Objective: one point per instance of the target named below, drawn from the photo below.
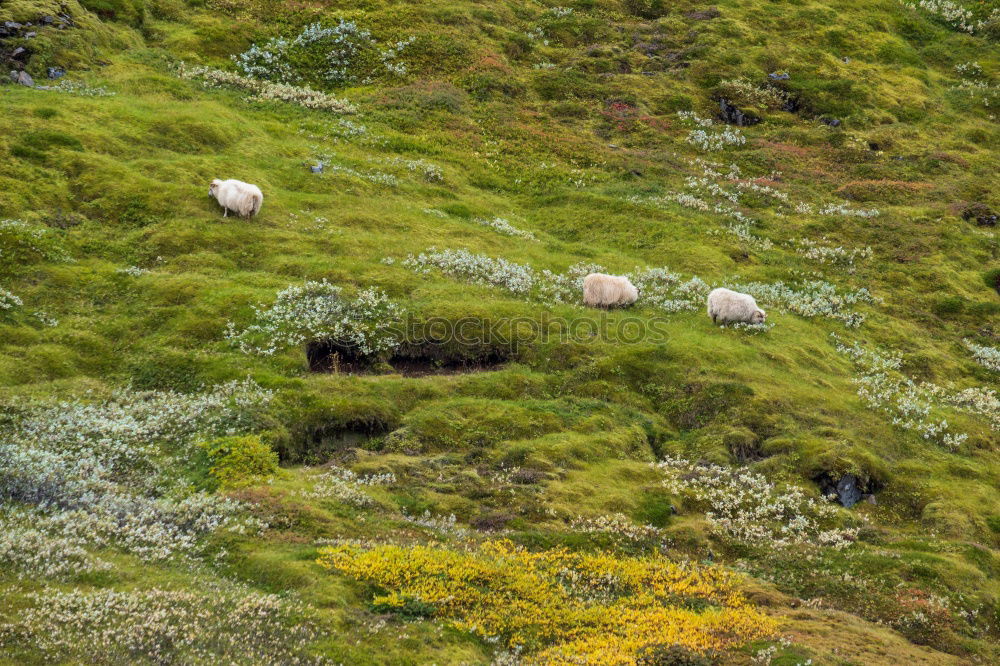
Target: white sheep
(607, 291)
(242, 198)
(729, 307)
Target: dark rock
(847, 489)
(19, 53)
(832, 122)
(23, 78)
(317, 168)
(775, 76)
(56, 72)
(981, 213)
(874, 146)
(734, 116)
(48, 20)
(846, 59)
(12, 26)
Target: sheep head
(213, 189)
(758, 317)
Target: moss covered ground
(858, 210)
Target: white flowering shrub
(954, 15)
(267, 91)
(707, 139)
(346, 486)
(447, 524)
(432, 173)
(988, 357)
(503, 226)
(22, 243)
(827, 253)
(9, 300)
(912, 405)
(318, 311)
(334, 55)
(373, 177)
(216, 625)
(750, 329)
(811, 298)
(617, 525)
(111, 474)
(475, 268)
(39, 553)
(846, 211)
(133, 271)
(744, 506)
(78, 88)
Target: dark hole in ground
(409, 360)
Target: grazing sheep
(608, 291)
(242, 198)
(729, 307)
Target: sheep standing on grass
(729, 307)
(242, 198)
(608, 291)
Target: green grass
(121, 181)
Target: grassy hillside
(375, 423)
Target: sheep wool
(242, 198)
(608, 291)
(729, 307)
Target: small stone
(11, 25)
(30, 35)
(48, 20)
(846, 59)
(22, 78)
(832, 122)
(318, 168)
(775, 76)
(18, 52)
(56, 72)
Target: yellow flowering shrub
(561, 607)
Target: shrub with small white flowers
(110, 474)
(617, 525)
(811, 298)
(266, 91)
(24, 243)
(318, 311)
(432, 173)
(335, 55)
(475, 268)
(827, 253)
(915, 406)
(221, 624)
(707, 140)
(503, 226)
(988, 357)
(744, 506)
(8, 300)
(954, 14)
(346, 486)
